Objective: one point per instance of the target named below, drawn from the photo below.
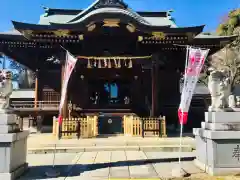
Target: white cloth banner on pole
(69, 66)
(195, 58)
(195, 61)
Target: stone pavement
(45, 143)
(105, 165)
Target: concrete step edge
(100, 145)
(91, 149)
(77, 147)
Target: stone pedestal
(13, 148)
(218, 143)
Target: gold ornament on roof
(131, 28)
(27, 33)
(81, 37)
(91, 26)
(140, 38)
(111, 22)
(159, 35)
(61, 32)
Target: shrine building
(129, 62)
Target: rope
(114, 57)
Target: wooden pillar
(153, 89)
(157, 87)
(154, 75)
(36, 90)
(39, 84)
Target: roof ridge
(111, 10)
(84, 12)
(99, 4)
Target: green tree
(230, 24)
(228, 58)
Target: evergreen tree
(229, 57)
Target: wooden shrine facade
(140, 55)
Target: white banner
(69, 66)
(194, 63)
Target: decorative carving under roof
(158, 35)
(111, 22)
(111, 3)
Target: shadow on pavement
(38, 172)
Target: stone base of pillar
(13, 148)
(214, 171)
(218, 143)
(15, 173)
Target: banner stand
(195, 58)
(179, 171)
(53, 172)
(69, 66)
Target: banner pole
(181, 120)
(68, 67)
(195, 59)
(54, 154)
(180, 141)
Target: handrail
(35, 104)
(49, 102)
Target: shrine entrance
(110, 125)
(109, 93)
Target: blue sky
(186, 12)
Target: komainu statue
(220, 89)
(6, 88)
